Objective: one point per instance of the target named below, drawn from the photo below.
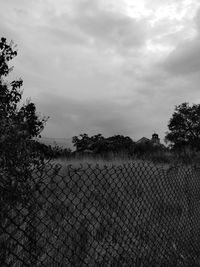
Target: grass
(116, 213)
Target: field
(114, 214)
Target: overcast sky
(105, 66)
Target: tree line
(116, 145)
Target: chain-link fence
(136, 214)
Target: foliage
(101, 145)
(17, 125)
(121, 143)
(49, 152)
(184, 127)
(148, 148)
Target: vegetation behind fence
(135, 214)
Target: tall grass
(117, 214)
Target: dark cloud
(197, 20)
(108, 27)
(184, 60)
(91, 116)
(61, 37)
(107, 117)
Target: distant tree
(101, 145)
(147, 148)
(121, 143)
(81, 142)
(184, 127)
(51, 152)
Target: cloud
(94, 68)
(74, 116)
(197, 20)
(110, 28)
(58, 36)
(184, 60)
(108, 117)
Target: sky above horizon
(105, 66)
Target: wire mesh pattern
(136, 214)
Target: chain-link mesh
(136, 214)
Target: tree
(120, 143)
(17, 154)
(81, 142)
(17, 125)
(101, 145)
(184, 127)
